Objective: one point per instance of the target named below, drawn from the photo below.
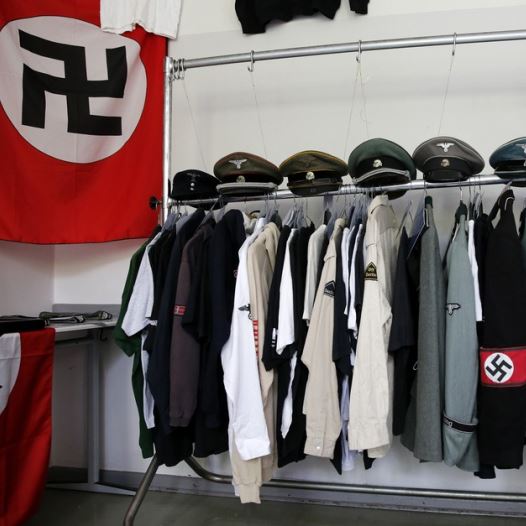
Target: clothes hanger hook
(454, 44)
(252, 61)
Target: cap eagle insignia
(238, 162)
(445, 145)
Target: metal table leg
(93, 483)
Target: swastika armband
(503, 367)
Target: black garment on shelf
(271, 359)
(159, 366)
(290, 448)
(254, 15)
(359, 6)
(223, 260)
(403, 336)
(502, 391)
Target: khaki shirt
(321, 405)
(248, 475)
(371, 399)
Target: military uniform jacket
(321, 404)
(461, 359)
(371, 399)
(423, 429)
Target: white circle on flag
(102, 73)
(499, 367)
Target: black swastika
(74, 85)
(501, 367)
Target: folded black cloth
(18, 323)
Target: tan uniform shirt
(248, 475)
(371, 399)
(321, 405)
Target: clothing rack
(351, 189)
(174, 69)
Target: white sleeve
(286, 419)
(474, 269)
(141, 300)
(369, 411)
(346, 238)
(286, 334)
(156, 16)
(310, 279)
(352, 320)
(241, 374)
(118, 16)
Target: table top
(61, 328)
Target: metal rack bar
(173, 67)
(353, 47)
(361, 488)
(349, 189)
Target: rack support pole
(167, 134)
(141, 492)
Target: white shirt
(313, 263)
(247, 423)
(346, 240)
(286, 334)
(137, 318)
(286, 417)
(156, 16)
(140, 306)
(474, 268)
(371, 400)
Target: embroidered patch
(330, 289)
(452, 307)
(370, 272)
(179, 310)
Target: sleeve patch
(330, 289)
(370, 272)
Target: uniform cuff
(248, 493)
(249, 448)
(318, 447)
(369, 435)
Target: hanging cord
(256, 103)
(181, 76)
(362, 89)
(351, 111)
(446, 92)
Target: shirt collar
(379, 200)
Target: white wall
(26, 278)
(305, 104)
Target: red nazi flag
(80, 125)
(26, 367)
